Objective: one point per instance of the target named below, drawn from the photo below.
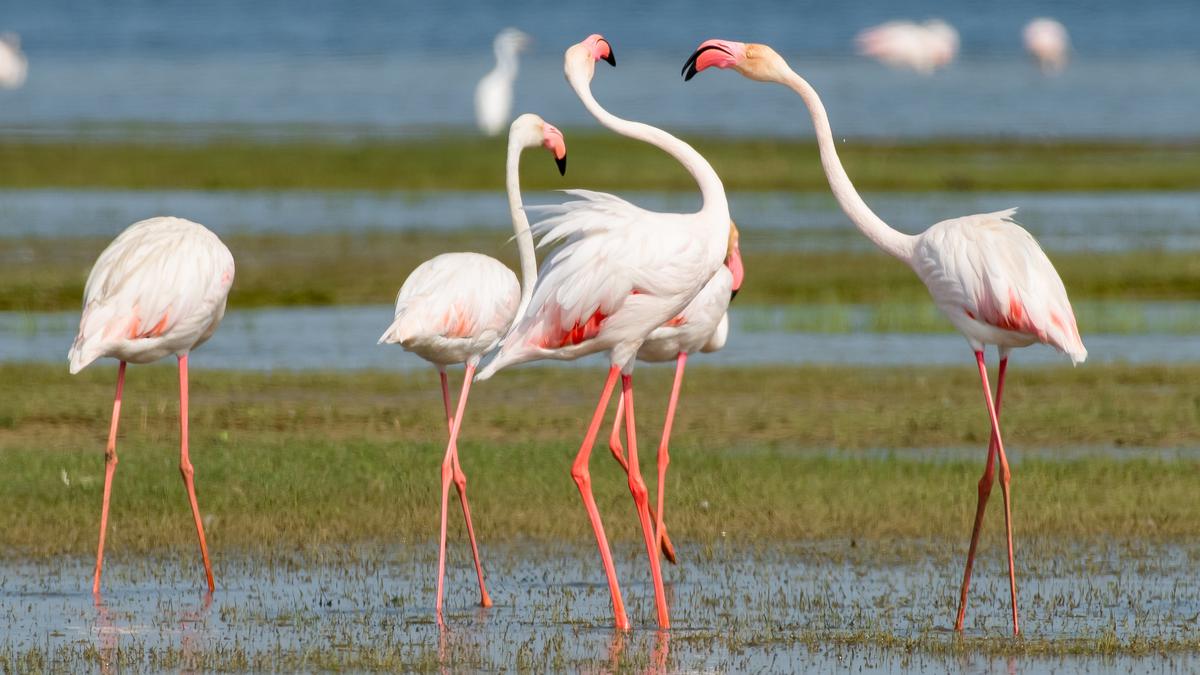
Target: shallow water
(344, 338)
(875, 607)
(1062, 221)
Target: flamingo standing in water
(619, 273)
(922, 48)
(454, 307)
(494, 93)
(1047, 42)
(703, 326)
(13, 64)
(159, 289)
(985, 272)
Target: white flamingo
(158, 290)
(454, 308)
(1047, 42)
(619, 273)
(702, 326)
(494, 93)
(985, 273)
(922, 48)
(13, 64)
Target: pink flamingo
(454, 307)
(1047, 42)
(922, 48)
(619, 273)
(985, 272)
(159, 289)
(703, 326)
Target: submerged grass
(302, 460)
(333, 269)
(599, 161)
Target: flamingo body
(14, 67)
(702, 326)
(454, 308)
(494, 93)
(1047, 42)
(922, 48)
(159, 289)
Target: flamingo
(493, 94)
(1047, 42)
(703, 326)
(985, 272)
(922, 48)
(619, 273)
(13, 64)
(159, 289)
(454, 307)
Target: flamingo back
(994, 282)
(158, 289)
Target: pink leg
(618, 452)
(110, 468)
(637, 487)
(985, 490)
(663, 457)
(185, 467)
(447, 478)
(1005, 479)
(583, 479)
(460, 482)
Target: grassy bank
(334, 269)
(598, 161)
(303, 460)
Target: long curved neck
(520, 223)
(506, 61)
(711, 190)
(892, 241)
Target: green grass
(778, 454)
(599, 161)
(335, 269)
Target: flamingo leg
(583, 479)
(460, 482)
(663, 457)
(985, 490)
(637, 487)
(185, 467)
(618, 452)
(110, 468)
(448, 463)
(1005, 479)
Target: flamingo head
(531, 131)
(511, 40)
(581, 57)
(733, 260)
(755, 61)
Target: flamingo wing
(990, 269)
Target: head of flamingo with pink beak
(733, 260)
(600, 49)
(552, 140)
(755, 61)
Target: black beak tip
(562, 165)
(612, 60)
(689, 72)
(733, 294)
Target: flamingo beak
(719, 53)
(601, 49)
(734, 263)
(552, 140)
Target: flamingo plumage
(494, 93)
(1047, 42)
(618, 273)
(14, 66)
(922, 48)
(455, 307)
(158, 290)
(985, 272)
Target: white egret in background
(985, 272)
(618, 273)
(922, 48)
(1047, 42)
(158, 290)
(494, 93)
(453, 308)
(13, 64)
